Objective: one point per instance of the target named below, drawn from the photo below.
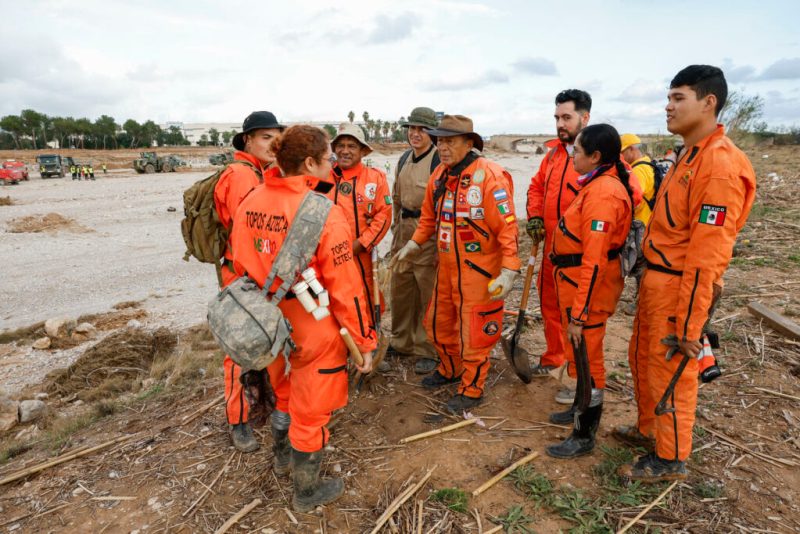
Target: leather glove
(409, 251)
(501, 286)
(535, 229)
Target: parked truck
(52, 165)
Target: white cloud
(536, 65)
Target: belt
(409, 214)
(575, 260)
(662, 269)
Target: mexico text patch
(713, 215)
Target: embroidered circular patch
(491, 328)
(345, 188)
(474, 196)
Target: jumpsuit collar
(348, 174)
(294, 184)
(606, 168)
(245, 156)
(716, 134)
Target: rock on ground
(30, 410)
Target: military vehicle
(51, 165)
(150, 162)
(221, 159)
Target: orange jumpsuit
(702, 204)
(551, 191)
(364, 195)
(317, 383)
(585, 254)
(476, 234)
(234, 184)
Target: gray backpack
(245, 320)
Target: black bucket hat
(257, 120)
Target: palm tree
(365, 116)
(351, 116)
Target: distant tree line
(33, 130)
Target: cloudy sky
(500, 62)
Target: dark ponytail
(604, 138)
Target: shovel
(517, 356)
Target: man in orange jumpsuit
(551, 191)
(317, 382)
(700, 208)
(469, 207)
(363, 193)
(250, 161)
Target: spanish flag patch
(599, 226)
(713, 215)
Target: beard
(567, 136)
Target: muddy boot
(309, 490)
(630, 435)
(563, 418)
(581, 441)
(651, 469)
(243, 438)
(281, 449)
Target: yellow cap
(629, 140)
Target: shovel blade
(517, 357)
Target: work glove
(535, 229)
(409, 251)
(501, 286)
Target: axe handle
(376, 291)
(661, 407)
(526, 291)
(351, 346)
(583, 390)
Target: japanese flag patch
(713, 215)
(599, 226)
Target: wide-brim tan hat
(354, 131)
(452, 125)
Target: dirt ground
(167, 465)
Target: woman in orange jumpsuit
(317, 382)
(585, 256)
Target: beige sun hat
(354, 131)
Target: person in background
(412, 285)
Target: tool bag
(204, 234)
(246, 320)
(631, 250)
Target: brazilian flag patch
(599, 226)
(472, 246)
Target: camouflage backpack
(203, 233)
(247, 322)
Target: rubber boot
(309, 490)
(563, 418)
(243, 438)
(581, 441)
(281, 448)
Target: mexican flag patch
(599, 226)
(387, 199)
(713, 215)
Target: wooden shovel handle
(523, 304)
(351, 346)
